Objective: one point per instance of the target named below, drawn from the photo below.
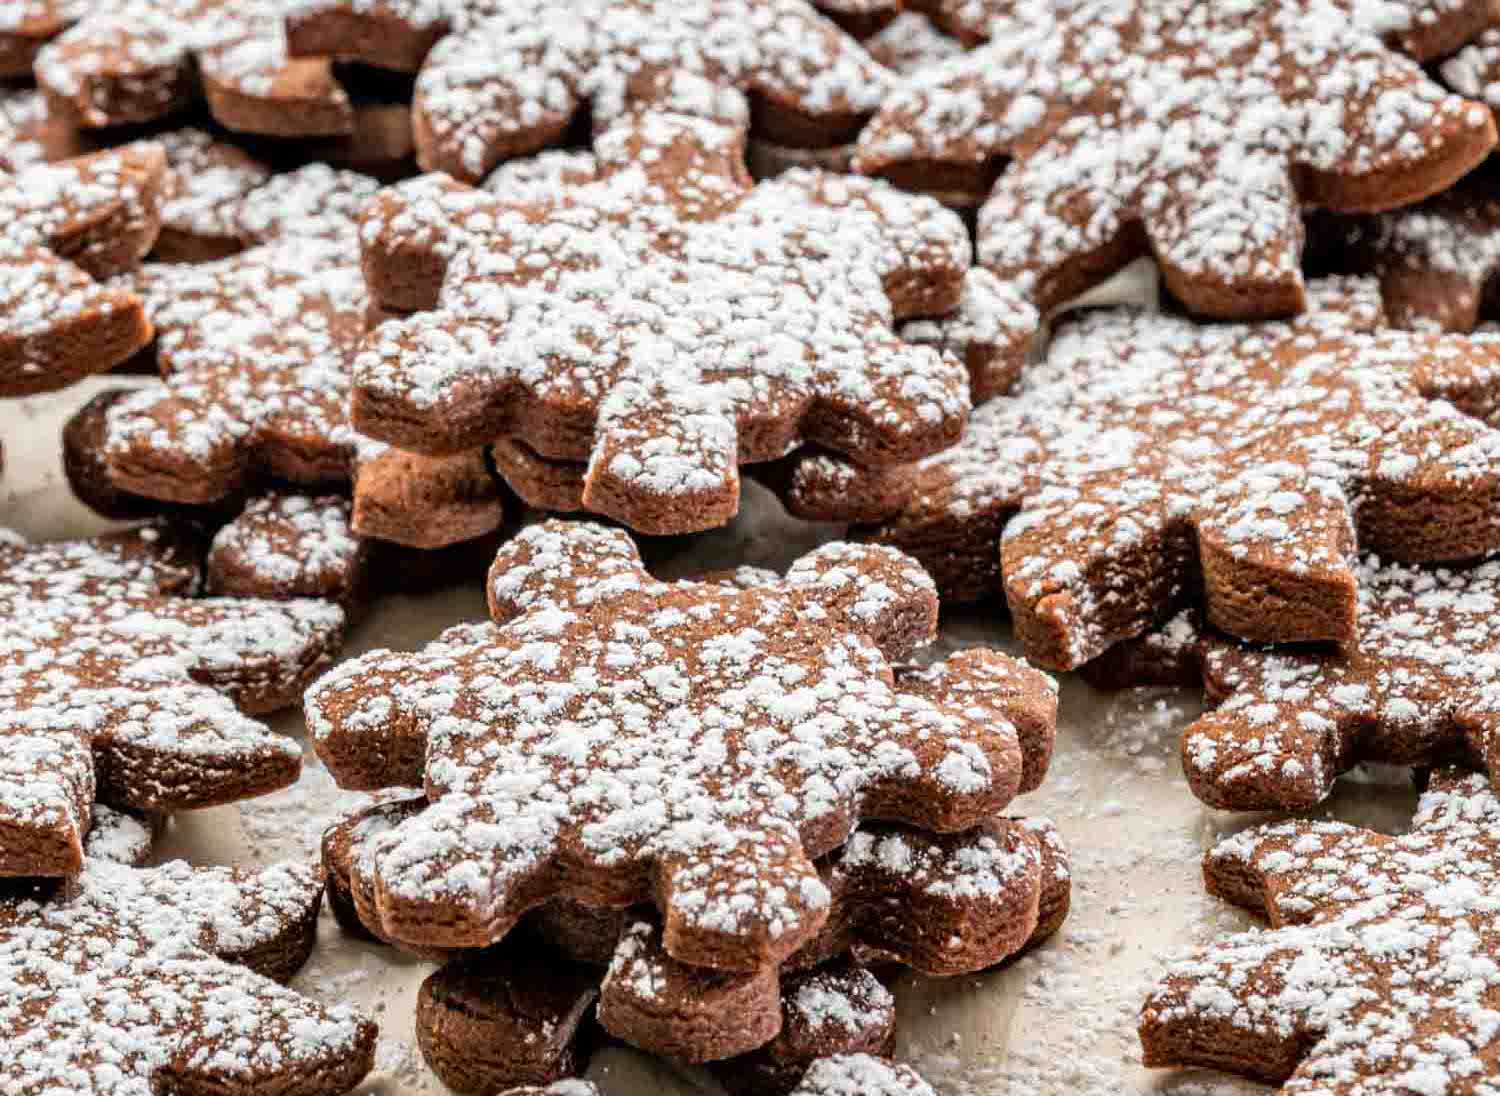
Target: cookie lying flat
(763, 723)
(1193, 131)
(1436, 261)
(157, 979)
(503, 78)
(780, 301)
(61, 227)
(1414, 689)
(943, 904)
(1378, 973)
(1147, 451)
(118, 689)
(144, 60)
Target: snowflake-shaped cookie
(142, 60)
(667, 323)
(617, 740)
(164, 979)
(508, 77)
(1148, 455)
(1418, 686)
(61, 226)
(1378, 974)
(1193, 130)
(116, 688)
(1435, 261)
(255, 352)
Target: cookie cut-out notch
(62, 226)
(143, 60)
(1196, 131)
(165, 978)
(120, 689)
(500, 79)
(942, 904)
(784, 721)
(1378, 972)
(667, 323)
(1150, 460)
(1415, 688)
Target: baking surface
(1059, 1021)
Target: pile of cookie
(408, 292)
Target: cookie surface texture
(599, 689)
(1192, 131)
(1376, 974)
(665, 323)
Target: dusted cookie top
(666, 322)
(141, 60)
(136, 979)
(1193, 130)
(683, 743)
(1147, 446)
(61, 226)
(861, 1075)
(117, 689)
(510, 75)
(1379, 973)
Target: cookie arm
(1265, 869)
(409, 231)
(875, 591)
(562, 565)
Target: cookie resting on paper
(1378, 971)
(1150, 459)
(943, 904)
(616, 740)
(164, 979)
(504, 78)
(1416, 688)
(1196, 131)
(118, 688)
(62, 226)
(666, 323)
(135, 61)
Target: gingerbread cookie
(165, 979)
(944, 904)
(61, 227)
(144, 60)
(120, 690)
(507, 77)
(1435, 261)
(1413, 689)
(254, 350)
(1198, 135)
(479, 715)
(1149, 456)
(207, 182)
(783, 297)
(1377, 974)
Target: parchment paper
(1061, 1021)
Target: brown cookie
(1435, 261)
(284, 546)
(786, 688)
(27, 25)
(118, 689)
(1413, 689)
(207, 181)
(164, 979)
(61, 227)
(503, 78)
(120, 837)
(1197, 136)
(143, 60)
(1378, 972)
(1150, 461)
(783, 297)
(254, 351)
(28, 132)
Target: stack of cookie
(407, 268)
